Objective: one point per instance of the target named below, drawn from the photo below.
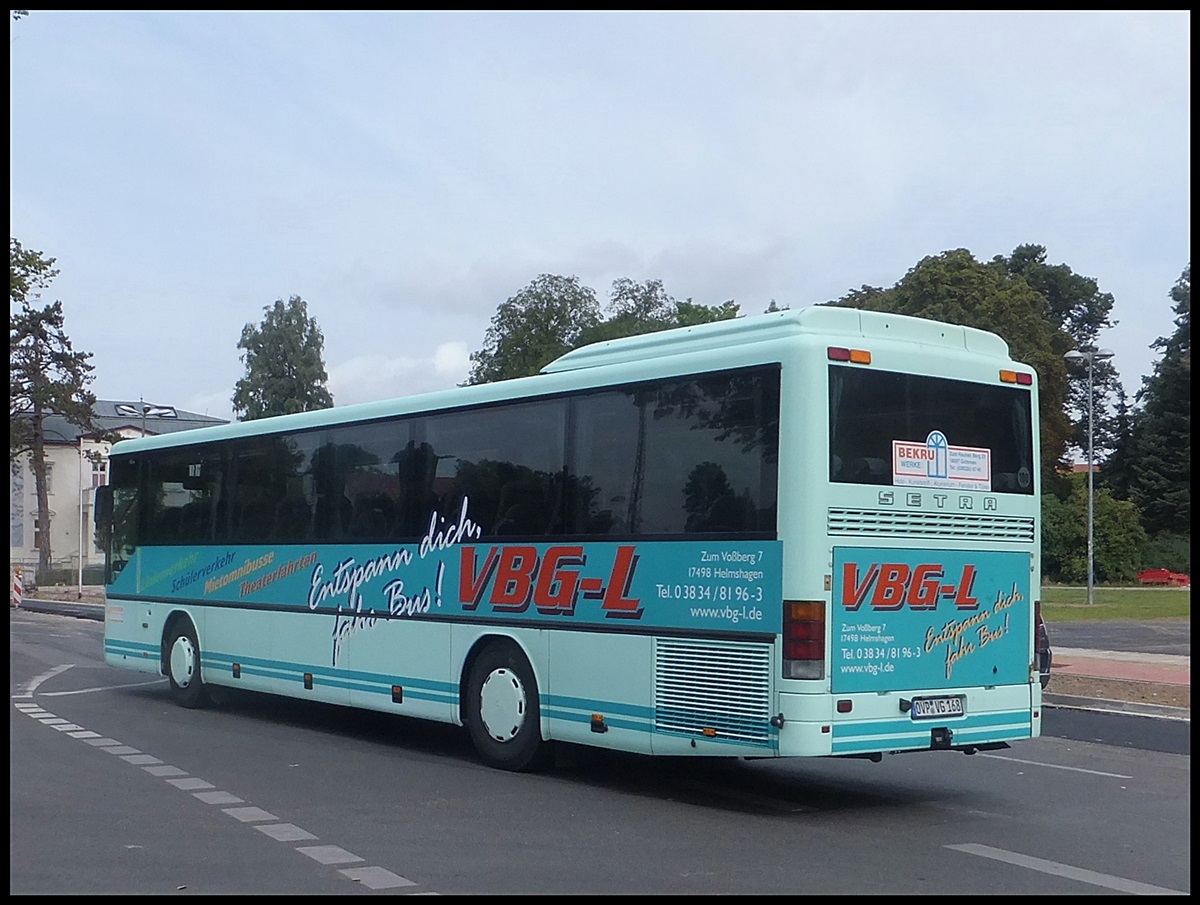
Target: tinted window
(121, 536)
(505, 463)
(184, 495)
(362, 484)
(870, 409)
(688, 456)
(272, 493)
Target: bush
(1168, 551)
(92, 575)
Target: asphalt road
(1158, 636)
(114, 790)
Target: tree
(955, 288)
(1081, 311)
(636, 308)
(46, 376)
(555, 314)
(285, 370)
(1119, 463)
(1160, 468)
(1076, 303)
(1120, 543)
(534, 327)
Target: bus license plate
(930, 708)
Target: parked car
(1164, 577)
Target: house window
(99, 473)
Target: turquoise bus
(804, 533)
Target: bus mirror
(104, 506)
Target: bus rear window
(909, 430)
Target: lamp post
(1090, 356)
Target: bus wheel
(502, 712)
(183, 666)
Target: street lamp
(1091, 356)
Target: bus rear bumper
(867, 724)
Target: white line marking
(219, 797)
(285, 832)
(32, 686)
(1066, 870)
(1038, 763)
(189, 783)
(329, 854)
(249, 815)
(60, 694)
(140, 759)
(375, 877)
(165, 770)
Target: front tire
(502, 711)
(183, 666)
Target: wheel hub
(502, 705)
(183, 661)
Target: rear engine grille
(966, 526)
(725, 687)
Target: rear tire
(502, 711)
(183, 666)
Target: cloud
(372, 377)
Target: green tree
(285, 369)
(633, 308)
(1076, 303)
(1160, 468)
(636, 308)
(555, 314)
(534, 327)
(46, 376)
(1082, 311)
(1118, 540)
(1118, 464)
(955, 288)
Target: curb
(1126, 708)
(79, 610)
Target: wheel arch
(174, 618)
(478, 646)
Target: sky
(405, 173)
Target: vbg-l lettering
(893, 585)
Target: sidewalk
(1168, 669)
(1154, 685)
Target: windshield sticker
(935, 463)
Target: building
(76, 464)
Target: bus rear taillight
(803, 639)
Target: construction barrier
(18, 586)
